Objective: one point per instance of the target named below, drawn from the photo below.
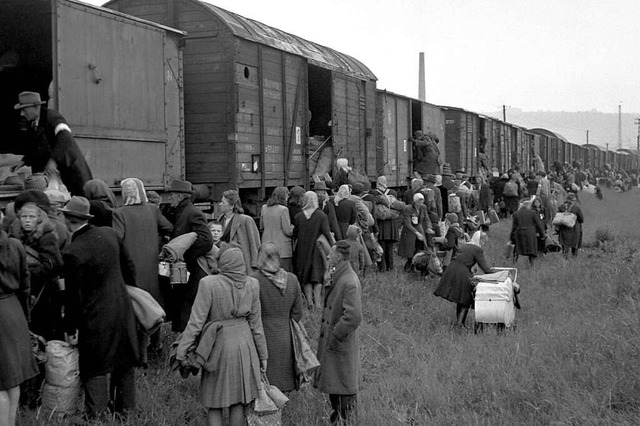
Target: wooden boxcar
(461, 139)
(255, 94)
(399, 117)
(115, 78)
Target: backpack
(511, 189)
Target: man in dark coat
(526, 228)
(186, 218)
(338, 350)
(99, 316)
(47, 142)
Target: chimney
(421, 88)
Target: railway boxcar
(116, 79)
(461, 139)
(490, 136)
(255, 94)
(399, 117)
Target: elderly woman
(102, 201)
(571, 238)
(139, 225)
(16, 359)
(310, 224)
(230, 303)
(44, 260)
(276, 227)
(526, 229)
(281, 302)
(346, 210)
(239, 228)
(453, 239)
(455, 284)
(415, 226)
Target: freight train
(165, 89)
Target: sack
(454, 204)
(509, 248)
(383, 212)
(254, 418)
(276, 395)
(567, 219)
(510, 189)
(62, 368)
(305, 359)
(60, 401)
(147, 310)
(435, 264)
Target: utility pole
(638, 146)
(504, 113)
(587, 137)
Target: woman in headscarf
(36, 233)
(276, 227)
(455, 284)
(526, 228)
(346, 210)
(139, 226)
(230, 303)
(239, 228)
(16, 358)
(308, 225)
(415, 226)
(388, 233)
(281, 302)
(571, 238)
(102, 202)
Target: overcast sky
(556, 55)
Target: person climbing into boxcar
(426, 153)
(342, 172)
(46, 143)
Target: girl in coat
(571, 238)
(239, 228)
(276, 227)
(281, 302)
(230, 301)
(455, 284)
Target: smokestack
(421, 88)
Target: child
(216, 232)
(356, 249)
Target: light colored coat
(245, 232)
(276, 227)
(338, 350)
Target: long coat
(308, 260)
(138, 226)
(96, 269)
(278, 310)
(338, 350)
(455, 284)
(187, 218)
(571, 237)
(242, 230)
(346, 214)
(276, 227)
(525, 229)
(411, 214)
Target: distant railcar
(461, 139)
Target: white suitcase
(494, 297)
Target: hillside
(602, 127)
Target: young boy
(216, 232)
(356, 250)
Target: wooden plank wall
(396, 151)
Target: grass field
(574, 358)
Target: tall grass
(574, 358)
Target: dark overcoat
(96, 268)
(346, 214)
(186, 218)
(455, 284)
(308, 260)
(525, 230)
(338, 350)
(411, 214)
(571, 237)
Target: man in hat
(338, 350)
(328, 208)
(186, 218)
(47, 144)
(99, 316)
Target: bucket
(164, 269)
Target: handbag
(567, 219)
(276, 395)
(305, 360)
(263, 404)
(147, 310)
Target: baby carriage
(496, 298)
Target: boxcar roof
(321, 56)
(549, 133)
(589, 145)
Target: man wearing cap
(328, 208)
(99, 316)
(338, 350)
(47, 143)
(186, 218)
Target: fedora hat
(27, 99)
(77, 207)
(181, 186)
(320, 186)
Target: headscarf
(381, 184)
(231, 264)
(97, 190)
(475, 239)
(133, 192)
(343, 192)
(416, 184)
(417, 197)
(269, 265)
(310, 201)
(438, 180)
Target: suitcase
(493, 216)
(494, 297)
